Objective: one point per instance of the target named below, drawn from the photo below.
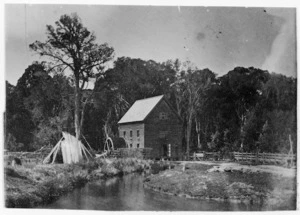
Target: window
(163, 115)
(130, 133)
(124, 133)
(138, 145)
(138, 133)
(130, 145)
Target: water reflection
(128, 193)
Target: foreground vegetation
(27, 187)
(268, 190)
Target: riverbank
(28, 187)
(226, 183)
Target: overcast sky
(218, 38)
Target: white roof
(140, 109)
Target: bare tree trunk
(188, 132)
(178, 105)
(290, 160)
(291, 145)
(243, 121)
(83, 108)
(189, 123)
(77, 109)
(198, 134)
(82, 119)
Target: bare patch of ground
(221, 166)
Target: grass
(270, 190)
(27, 187)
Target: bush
(109, 170)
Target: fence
(262, 158)
(27, 157)
(266, 158)
(206, 156)
(132, 152)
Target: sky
(218, 38)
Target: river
(127, 193)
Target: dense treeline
(247, 109)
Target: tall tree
(190, 89)
(43, 101)
(70, 45)
(138, 79)
(22, 114)
(18, 121)
(279, 105)
(241, 90)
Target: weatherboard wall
(163, 128)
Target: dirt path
(229, 166)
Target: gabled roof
(140, 109)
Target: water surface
(128, 193)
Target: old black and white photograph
(149, 107)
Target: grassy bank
(27, 187)
(271, 191)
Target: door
(165, 150)
(163, 147)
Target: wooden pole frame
(51, 152)
(54, 157)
